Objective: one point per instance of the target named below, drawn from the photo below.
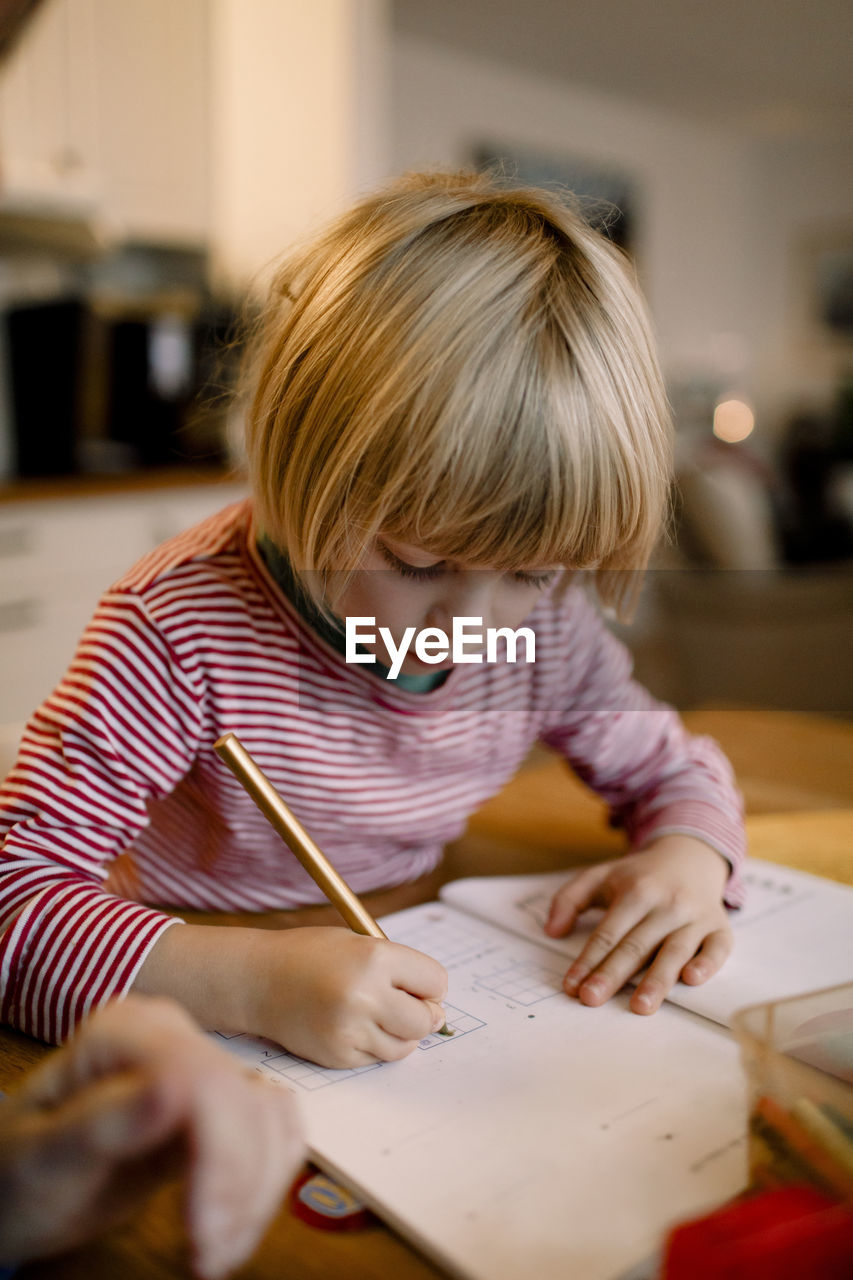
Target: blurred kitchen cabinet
(153, 71)
(222, 124)
(104, 113)
(58, 556)
(49, 111)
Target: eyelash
(534, 579)
(420, 575)
(428, 572)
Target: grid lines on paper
(522, 982)
(768, 892)
(537, 905)
(308, 1075)
(457, 1021)
(446, 942)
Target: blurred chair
(727, 516)
(778, 639)
(731, 624)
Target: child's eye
(535, 579)
(425, 573)
(421, 573)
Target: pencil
(795, 1144)
(230, 749)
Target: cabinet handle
(19, 615)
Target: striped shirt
(198, 640)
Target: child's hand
(137, 1095)
(663, 904)
(341, 999)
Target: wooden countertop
(38, 488)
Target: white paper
(543, 1138)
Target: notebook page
(542, 1138)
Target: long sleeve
(637, 755)
(120, 730)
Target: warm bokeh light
(733, 421)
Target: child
(456, 408)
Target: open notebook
(545, 1138)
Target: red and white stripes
(197, 640)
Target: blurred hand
(137, 1094)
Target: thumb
(439, 1017)
(121, 1116)
(581, 892)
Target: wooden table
(797, 775)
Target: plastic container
(798, 1057)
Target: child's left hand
(664, 905)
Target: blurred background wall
(732, 123)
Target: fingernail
(643, 1001)
(594, 986)
(573, 979)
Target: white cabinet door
(104, 111)
(153, 71)
(49, 111)
(56, 560)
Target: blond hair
(467, 368)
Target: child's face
(402, 586)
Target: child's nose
(472, 598)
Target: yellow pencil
(230, 749)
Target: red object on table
(784, 1234)
(324, 1203)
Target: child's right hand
(341, 999)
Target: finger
(95, 1160)
(51, 1082)
(120, 1117)
(665, 970)
(127, 1035)
(418, 974)
(574, 898)
(388, 1048)
(617, 935)
(408, 1018)
(252, 1155)
(711, 957)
